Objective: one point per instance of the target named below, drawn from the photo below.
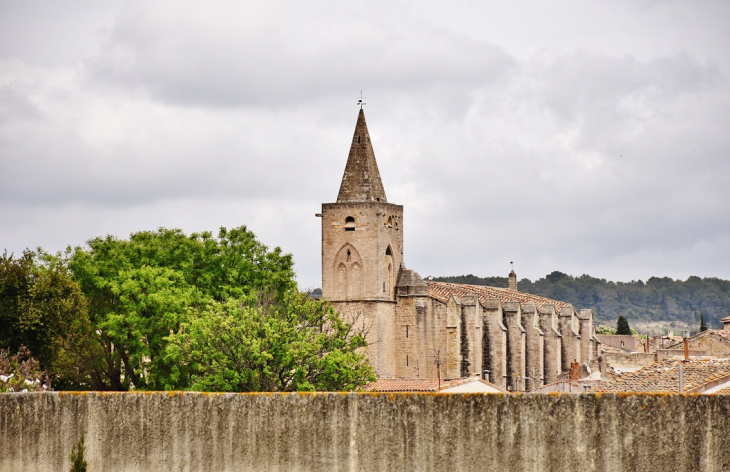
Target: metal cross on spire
(360, 100)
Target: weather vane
(360, 100)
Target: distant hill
(659, 299)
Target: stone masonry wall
(534, 346)
(377, 320)
(371, 237)
(496, 358)
(515, 346)
(362, 432)
(552, 353)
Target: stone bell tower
(362, 249)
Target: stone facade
(712, 342)
(425, 329)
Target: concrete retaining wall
(378, 432)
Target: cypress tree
(703, 323)
(78, 463)
(622, 326)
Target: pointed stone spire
(361, 182)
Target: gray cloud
(262, 54)
(582, 138)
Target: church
(424, 329)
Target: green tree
(41, 308)
(603, 329)
(78, 462)
(622, 326)
(140, 291)
(293, 343)
(703, 323)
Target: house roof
(663, 376)
(575, 386)
(443, 291)
(422, 385)
(722, 334)
(607, 348)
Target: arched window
(390, 279)
(349, 223)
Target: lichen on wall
(360, 432)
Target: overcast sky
(581, 136)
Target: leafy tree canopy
(140, 290)
(294, 343)
(41, 307)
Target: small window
(406, 331)
(406, 361)
(387, 252)
(349, 223)
(358, 140)
(383, 286)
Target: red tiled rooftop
(421, 385)
(664, 376)
(442, 291)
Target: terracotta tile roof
(409, 385)
(724, 391)
(664, 376)
(421, 385)
(442, 291)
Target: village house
(426, 329)
(710, 343)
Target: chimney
(685, 338)
(726, 323)
(513, 279)
(574, 370)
